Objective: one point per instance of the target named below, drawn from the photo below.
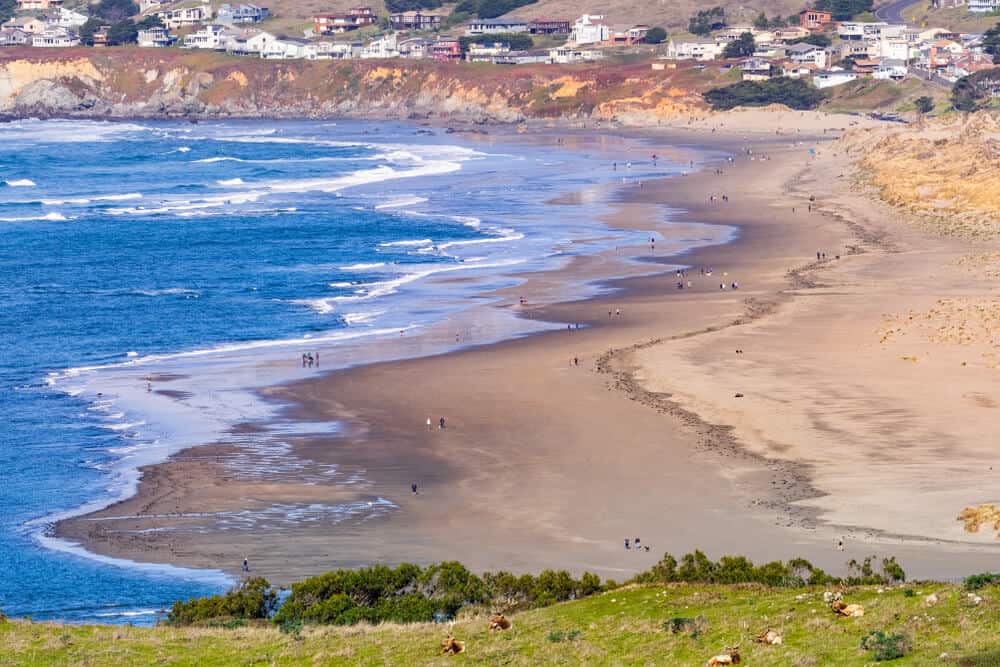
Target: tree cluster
(396, 6)
(844, 10)
(975, 91)
(489, 9)
(707, 20)
(741, 47)
(991, 43)
(793, 93)
(655, 35)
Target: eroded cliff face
(947, 170)
(154, 83)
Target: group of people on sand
(635, 544)
(308, 360)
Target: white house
(36, 5)
(208, 37)
(186, 16)
(486, 53)
(28, 24)
(755, 69)
(856, 30)
(13, 37)
(240, 14)
(495, 26)
(565, 55)
(807, 53)
(67, 18)
(415, 47)
(55, 38)
(890, 69)
(384, 47)
(983, 6)
(704, 48)
(590, 29)
(154, 38)
(830, 78)
(333, 50)
(894, 49)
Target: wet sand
(548, 464)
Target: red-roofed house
(814, 19)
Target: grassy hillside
(637, 625)
(954, 18)
(293, 15)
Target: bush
(407, 593)
(395, 6)
(862, 573)
(707, 20)
(252, 599)
(794, 93)
(655, 35)
(978, 581)
(698, 568)
(692, 627)
(886, 647)
(815, 40)
(741, 47)
(844, 10)
(489, 9)
(516, 41)
(924, 104)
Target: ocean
(206, 259)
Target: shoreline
(642, 295)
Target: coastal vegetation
(793, 93)
(672, 624)
(411, 594)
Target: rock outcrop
(131, 82)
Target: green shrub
(909, 593)
(707, 20)
(411, 5)
(886, 647)
(977, 581)
(251, 599)
(698, 568)
(794, 93)
(692, 627)
(656, 35)
(863, 573)
(408, 594)
(560, 636)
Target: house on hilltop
(495, 26)
(699, 48)
(241, 14)
(815, 20)
(157, 37)
(415, 21)
(831, 78)
(185, 16)
(55, 38)
(356, 17)
(13, 37)
(27, 24)
(446, 50)
(37, 5)
(545, 26)
(755, 69)
(590, 29)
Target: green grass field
(628, 626)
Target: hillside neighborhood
(811, 45)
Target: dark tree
(815, 40)
(793, 93)
(123, 32)
(707, 20)
(991, 43)
(844, 10)
(742, 47)
(7, 9)
(655, 35)
(924, 104)
(151, 21)
(761, 22)
(966, 95)
(113, 11)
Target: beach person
(636, 542)
(441, 423)
(413, 487)
(317, 359)
(429, 424)
(609, 314)
(149, 387)
(618, 312)
(627, 545)
(246, 565)
(303, 360)
(840, 544)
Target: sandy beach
(845, 396)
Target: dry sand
(548, 464)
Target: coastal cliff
(148, 83)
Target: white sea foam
(374, 290)
(21, 183)
(187, 291)
(53, 216)
(184, 149)
(361, 318)
(399, 202)
(231, 181)
(363, 266)
(87, 200)
(415, 242)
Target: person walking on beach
(414, 488)
(627, 546)
(246, 565)
(429, 426)
(441, 423)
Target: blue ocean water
(135, 248)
